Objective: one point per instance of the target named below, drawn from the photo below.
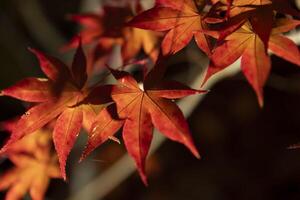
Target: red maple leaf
(138, 110)
(67, 105)
(254, 11)
(183, 21)
(103, 32)
(255, 63)
(237, 7)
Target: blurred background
(244, 148)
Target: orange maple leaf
(34, 165)
(29, 174)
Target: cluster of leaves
(242, 28)
(224, 30)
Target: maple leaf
(281, 45)
(29, 174)
(34, 165)
(105, 32)
(138, 111)
(182, 20)
(28, 144)
(135, 39)
(244, 2)
(239, 6)
(254, 11)
(255, 63)
(66, 106)
(99, 25)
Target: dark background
(244, 148)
